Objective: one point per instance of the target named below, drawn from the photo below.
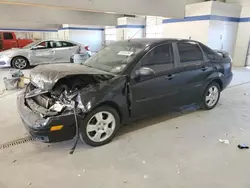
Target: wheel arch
(114, 106)
(216, 77)
(219, 82)
(11, 62)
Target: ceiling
(164, 8)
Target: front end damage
(49, 112)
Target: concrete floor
(179, 151)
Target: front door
(157, 92)
(42, 53)
(195, 69)
(63, 51)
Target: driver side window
(45, 45)
(159, 59)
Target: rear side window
(189, 52)
(67, 44)
(159, 59)
(8, 36)
(61, 44)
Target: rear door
(195, 68)
(156, 93)
(63, 51)
(9, 41)
(42, 53)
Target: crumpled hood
(46, 76)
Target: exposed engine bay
(64, 94)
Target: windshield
(115, 57)
(31, 44)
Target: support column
(129, 27)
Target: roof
(154, 41)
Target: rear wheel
(100, 126)
(211, 96)
(20, 63)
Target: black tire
(20, 62)
(84, 136)
(204, 104)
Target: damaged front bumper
(40, 127)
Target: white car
(39, 52)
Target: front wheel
(20, 63)
(100, 126)
(211, 96)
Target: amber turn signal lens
(56, 128)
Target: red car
(8, 40)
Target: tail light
(87, 48)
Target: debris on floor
(243, 146)
(30, 183)
(143, 162)
(145, 176)
(246, 94)
(224, 141)
(79, 175)
(14, 161)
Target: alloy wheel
(212, 96)
(20, 63)
(101, 126)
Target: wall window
(189, 52)
(154, 27)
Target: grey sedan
(39, 52)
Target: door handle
(204, 68)
(170, 76)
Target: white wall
(128, 28)
(196, 30)
(243, 37)
(214, 24)
(154, 27)
(226, 9)
(198, 9)
(223, 33)
(92, 36)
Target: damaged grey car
(123, 82)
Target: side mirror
(145, 71)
